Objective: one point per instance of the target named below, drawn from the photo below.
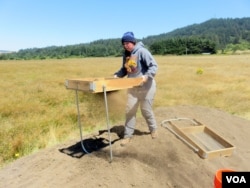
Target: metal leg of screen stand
(108, 125)
(79, 122)
(107, 118)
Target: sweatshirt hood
(137, 47)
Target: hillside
(221, 32)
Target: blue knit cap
(128, 37)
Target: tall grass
(37, 110)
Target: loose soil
(144, 162)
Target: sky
(42, 23)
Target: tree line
(180, 46)
(100, 48)
(177, 46)
(207, 37)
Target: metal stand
(107, 119)
(79, 121)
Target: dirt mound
(145, 162)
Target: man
(138, 62)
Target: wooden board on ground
(208, 143)
(96, 85)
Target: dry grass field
(221, 82)
(37, 111)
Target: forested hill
(209, 36)
(221, 31)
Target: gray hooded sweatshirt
(142, 63)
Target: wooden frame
(95, 85)
(208, 143)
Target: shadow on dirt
(96, 142)
(92, 144)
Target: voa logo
(236, 179)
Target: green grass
(37, 111)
